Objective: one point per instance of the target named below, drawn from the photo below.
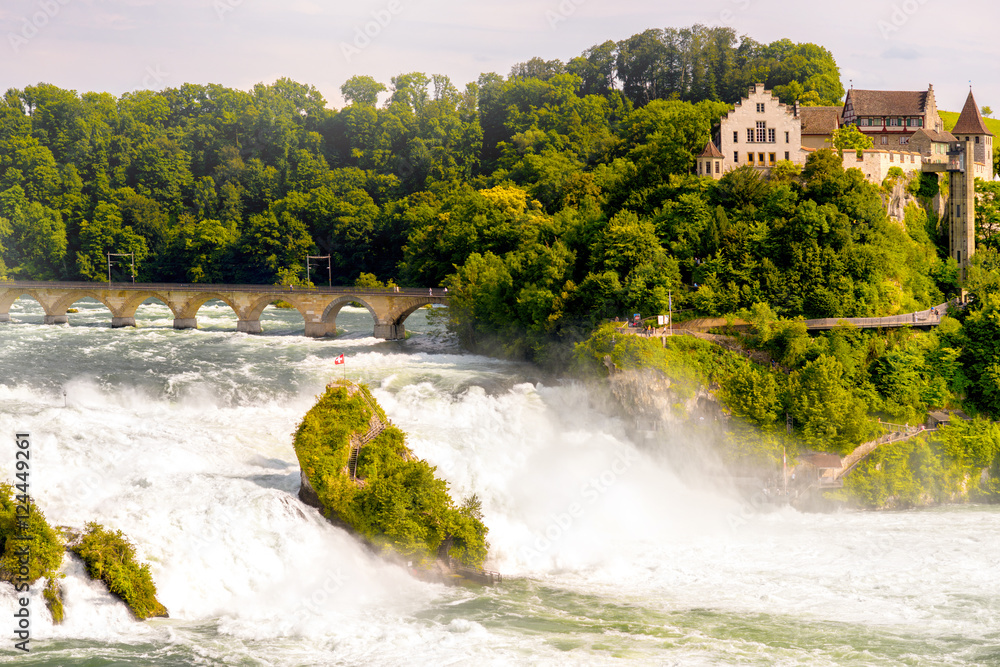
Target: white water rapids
(182, 440)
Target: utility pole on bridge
(329, 267)
(121, 254)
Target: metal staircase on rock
(375, 428)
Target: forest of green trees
(211, 184)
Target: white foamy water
(182, 439)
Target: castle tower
(971, 128)
(709, 163)
(962, 202)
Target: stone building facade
(760, 131)
(891, 117)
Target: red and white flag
(339, 360)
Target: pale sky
(124, 45)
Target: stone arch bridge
(319, 307)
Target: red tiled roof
(820, 120)
(711, 151)
(970, 121)
(888, 102)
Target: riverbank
(766, 419)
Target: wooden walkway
(921, 319)
(899, 433)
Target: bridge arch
(8, 298)
(334, 307)
(392, 328)
(260, 305)
(60, 307)
(399, 315)
(133, 302)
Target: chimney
(796, 108)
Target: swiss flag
(339, 360)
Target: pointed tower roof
(971, 121)
(711, 151)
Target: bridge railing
(931, 316)
(436, 292)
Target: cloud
(901, 53)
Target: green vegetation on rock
(110, 557)
(396, 502)
(54, 602)
(46, 551)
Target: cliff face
(357, 470)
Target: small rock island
(358, 471)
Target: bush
(46, 545)
(110, 557)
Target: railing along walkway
(861, 451)
(212, 287)
(375, 429)
(921, 318)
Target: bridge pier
(122, 322)
(4, 317)
(57, 319)
(390, 331)
(320, 329)
(249, 326)
(185, 322)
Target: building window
(736, 157)
(760, 107)
(771, 136)
(885, 140)
(749, 135)
(904, 140)
(750, 158)
(770, 158)
(977, 140)
(786, 137)
(786, 155)
(760, 159)
(718, 167)
(761, 131)
(736, 137)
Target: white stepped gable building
(760, 131)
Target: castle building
(711, 162)
(760, 131)
(891, 117)
(818, 126)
